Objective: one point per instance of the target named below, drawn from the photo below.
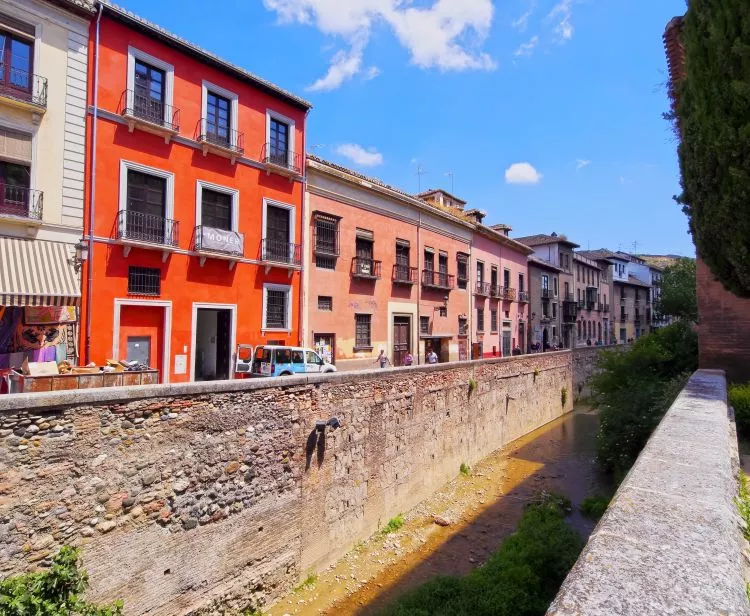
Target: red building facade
(195, 185)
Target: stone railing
(670, 542)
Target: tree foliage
(714, 118)
(57, 591)
(678, 295)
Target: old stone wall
(192, 496)
(584, 367)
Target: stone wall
(584, 367)
(670, 542)
(186, 497)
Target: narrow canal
(482, 508)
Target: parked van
(271, 360)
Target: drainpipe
(92, 196)
(303, 233)
(419, 286)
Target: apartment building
(592, 296)
(194, 216)
(43, 65)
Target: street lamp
(82, 253)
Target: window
(493, 320)
(150, 85)
(362, 331)
(521, 283)
(506, 278)
(424, 325)
(545, 309)
(146, 202)
(443, 263)
(545, 282)
(220, 116)
(480, 272)
(480, 319)
(216, 209)
(278, 231)
(567, 290)
(16, 69)
(461, 270)
(325, 303)
(298, 357)
(579, 330)
(493, 277)
(279, 142)
(144, 281)
(554, 281)
(442, 311)
(463, 328)
(14, 189)
(326, 241)
(402, 271)
(578, 273)
(554, 311)
(429, 260)
(276, 310)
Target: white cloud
(445, 35)
(581, 163)
(371, 73)
(522, 173)
(522, 22)
(526, 49)
(359, 155)
(562, 14)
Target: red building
(195, 191)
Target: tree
(58, 591)
(713, 103)
(678, 297)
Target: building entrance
(212, 344)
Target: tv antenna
(420, 173)
(635, 247)
(451, 175)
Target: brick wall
(192, 496)
(724, 327)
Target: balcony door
(402, 261)
(15, 62)
(277, 240)
(364, 249)
(218, 118)
(148, 96)
(279, 145)
(14, 189)
(146, 203)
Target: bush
(634, 389)
(594, 507)
(520, 579)
(739, 398)
(393, 525)
(57, 591)
(464, 469)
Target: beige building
(593, 296)
(44, 47)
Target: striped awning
(37, 273)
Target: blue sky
(547, 112)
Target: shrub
(472, 386)
(739, 398)
(743, 504)
(464, 469)
(594, 507)
(307, 582)
(393, 525)
(57, 591)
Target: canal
(482, 508)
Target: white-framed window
(150, 83)
(278, 222)
(219, 113)
(217, 206)
(277, 307)
(130, 172)
(279, 133)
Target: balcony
(281, 161)
(22, 89)
(509, 294)
(482, 288)
(220, 140)
(139, 230)
(569, 297)
(547, 293)
(365, 268)
(219, 244)
(496, 291)
(21, 204)
(580, 305)
(437, 280)
(149, 115)
(605, 308)
(624, 316)
(523, 297)
(279, 253)
(403, 274)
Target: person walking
(408, 359)
(382, 359)
(432, 357)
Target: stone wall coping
(116, 395)
(670, 541)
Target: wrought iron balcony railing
(404, 274)
(279, 251)
(482, 288)
(142, 107)
(569, 297)
(546, 293)
(275, 156)
(496, 290)
(22, 85)
(363, 267)
(523, 296)
(148, 228)
(605, 307)
(509, 294)
(21, 202)
(214, 135)
(624, 316)
(437, 280)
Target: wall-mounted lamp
(82, 254)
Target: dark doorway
(522, 337)
(545, 339)
(401, 339)
(212, 344)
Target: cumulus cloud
(359, 155)
(445, 35)
(522, 173)
(526, 49)
(371, 73)
(581, 163)
(561, 14)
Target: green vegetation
(594, 507)
(536, 373)
(57, 591)
(520, 579)
(743, 504)
(715, 149)
(472, 386)
(634, 389)
(678, 296)
(739, 398)
(564, 396)
(393, 525)
(464, 469)
(308, 582)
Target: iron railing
(363, 267)
(23, 86)
(21, 202)
(523, 296)
(148, 228)
(278, 157)
(605, 307)
(149, 110)
(495, 290)
(210, 239)
(569, 297)
(546, 293)
(404, 274)
(326, 236)
(221, 137)
(463, 327)
(569, 312)
(437, 280)
(482, 288)
(509, 294)
(581, 305)
(623, 316)
(278, 251)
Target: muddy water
(482, 508)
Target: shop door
(522, 337)
(463, 349)
(325, 345)
(139, 349)
(506, 343)
(401, 338)
(212, 342)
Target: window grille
(144, 281)
(363, 330)
(325, 302)
(276, 307)
(424, 325)
(493, 320)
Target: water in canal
(483, 509)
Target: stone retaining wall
(207, 496)
(584, 367)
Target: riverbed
(482, 508)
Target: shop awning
(37, 273)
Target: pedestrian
(408, 359)
(382, 359)
(432, 357)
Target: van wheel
(286, 374)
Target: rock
(98, 460)
(20, 431)
(106, 526)
(43, 542)
(137, 511)
(102, 496)
(57, 428)
(440, 521)
(149, 477)
(128, 502)
(126, 425)
(232, 467)
(87, 531)
(68, 492)
(189, 523)
(180, 485)
(32, 429)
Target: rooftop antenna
(451, 175)
(420, 173)
(635, 247)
